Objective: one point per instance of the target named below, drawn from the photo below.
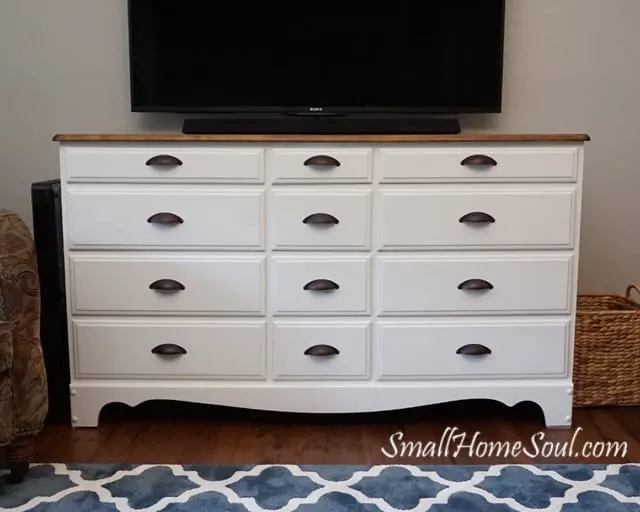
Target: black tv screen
(434, 56)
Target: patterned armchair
(23, 382)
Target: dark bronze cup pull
(163, 161)
(474, 350)
(166, 285)
(475, 284)
(322, 161)
(321, 285)
(322, 350)
(165, 218)
(477, 218)
(168, 349)
(480, 160)
(320, 218)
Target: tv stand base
(321, 124)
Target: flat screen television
(320, 58)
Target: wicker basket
(607, 350)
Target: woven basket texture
(607, 350)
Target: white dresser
(322, 274)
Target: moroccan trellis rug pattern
(200, 488)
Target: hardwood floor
(177, 433)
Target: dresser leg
(558, 410)
(86, 407)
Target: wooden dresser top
(178, 137)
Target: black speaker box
(47, 232)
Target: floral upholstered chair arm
(6, 388)
(23, 382)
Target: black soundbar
(321, 125)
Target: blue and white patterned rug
(287, 488)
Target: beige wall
(571, 65)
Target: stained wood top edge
(179, 137)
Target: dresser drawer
(321, 350)
(320, 219)
(319, 285)
(161, 349)
(480, 216)
(164, 163)
(472, 162)
(149, 283)
(159, 216)
(473, 348)
(475, 283)
(319, 163)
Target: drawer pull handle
(474, 350)
(322, 161)
(482, 160)
(165, 218)
(168, 349)
(477, 218)
(475, 284)
(322, 351)
(321, 285)
(320, 218)
(166, 285)
(163, 161)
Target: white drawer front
(160, 349)
(133, 283)
(158, 216)
(319, 163)
(473, 348)
(478, 216)
(319, 219)
(476, 163)
(320, 285)
(164, 163)
(475, 283)
(321, 350)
